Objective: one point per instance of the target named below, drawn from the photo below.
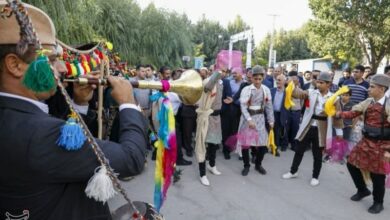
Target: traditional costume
(368, 154)
(208, 129)
(313, 129)
(255, 102)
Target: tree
(206, 38)
(235, 27)
(289, 45)
(349, 28)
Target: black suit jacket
(48, 181)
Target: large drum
(147, 211)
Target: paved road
(232, 196)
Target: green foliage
(289, 45)
(348, 29)
(153, 35)
(206, 37)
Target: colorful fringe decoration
(387, 169)
(166, 149)
(39, 76)
(288, 102)
(72, 136)
(244, 138)
(338, 149)
(330, 108)
(271, 142)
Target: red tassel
(69, 68)
(307, 103)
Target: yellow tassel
(271, 142)
(86, 67)
(288, 102)
(74, 70)
(109, 45)
(93, 63)
(330, 108)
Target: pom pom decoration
(245, 138)
(72, 136)
(338, 149)
(39, 76)
(288, 102)
(100, 186)
(109, 46)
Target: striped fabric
(359, 91)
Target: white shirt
(175, 101)
(319, 108)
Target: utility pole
(271, 46)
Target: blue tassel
(72, 136)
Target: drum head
(147, 210)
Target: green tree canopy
(289, 45)
(346, 29)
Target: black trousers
(230, 119)
(310, 138)
(212, 154)
(378, 182)
(188, 127)
(294, 119)
(281, 137)
(259, 151)
(179, 138)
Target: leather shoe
(360, 195)
(226, 155)
(183, 162)
(376, 208)
(277, 154)
(261, 170)
(245, 171)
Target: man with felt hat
(369, 154)
(45, 168)
(314, 126)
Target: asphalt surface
(232, 196)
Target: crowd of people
(236, 113)
(247, 104)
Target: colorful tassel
(69, 69)
(39, 76)
(288, 102)
(109, 45)
(330, 108)
(74, 70)
(100, 186)
(82, 71)
(166, 150)
(271, 142)
(72, 136)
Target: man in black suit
(38, 177)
